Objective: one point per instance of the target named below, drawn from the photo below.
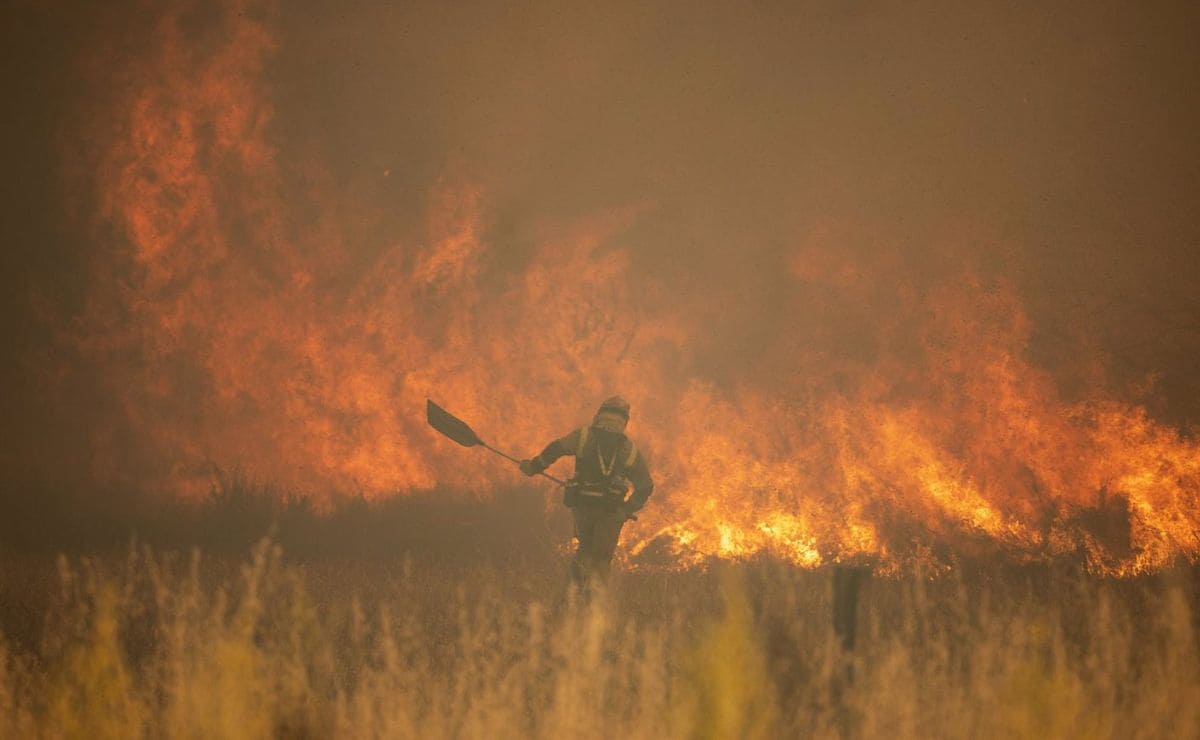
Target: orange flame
(241, 318)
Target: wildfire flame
(243, 313)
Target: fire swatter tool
(458, 430)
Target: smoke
(865, 270)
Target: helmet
(612, 415)
(615, 405)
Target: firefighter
(606, 462)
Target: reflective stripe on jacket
(601, 456)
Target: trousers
(598, 528)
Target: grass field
(477, 638)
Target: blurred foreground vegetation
(463, 629)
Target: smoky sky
(1052, 145)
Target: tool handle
(510, 458)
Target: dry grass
(431, 617)
(153, 644)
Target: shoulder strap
(583, 438)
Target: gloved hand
(629, 510)
(530, 467)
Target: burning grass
(167, 644)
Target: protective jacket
(606, 462)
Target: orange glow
(244, 322)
